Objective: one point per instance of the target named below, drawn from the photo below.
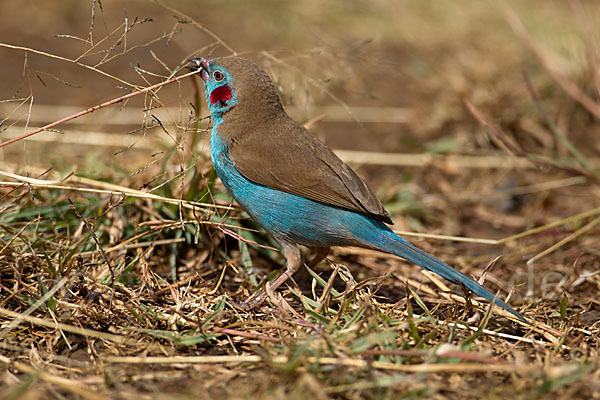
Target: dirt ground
(122, 258)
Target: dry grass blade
(20, 318)
(584, 229)
(509, 145)
(70, 385)
(347, 362)
(107, 188)
(562, 221)
(427, 159)
(517, 339)
(583, 161)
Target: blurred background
(401, 68)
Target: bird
(291, 183)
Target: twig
(97, 107)
(43, 53)
(198, 25)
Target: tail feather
(398, 246)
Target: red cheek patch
(222, 94)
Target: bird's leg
(320, 254)
(303, 275)
(293, 260)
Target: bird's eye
(218, 75)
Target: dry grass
(122, 258)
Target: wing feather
(286, 157)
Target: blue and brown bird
(291, 183)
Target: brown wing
(286, 157)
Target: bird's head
(233, 83)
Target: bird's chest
(235, 183)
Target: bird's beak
(201, 65)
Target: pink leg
(293, 261)
(321, 253)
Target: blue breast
(290, 217)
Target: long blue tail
(394, 244)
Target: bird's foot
(252, 302)
(292, 255)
